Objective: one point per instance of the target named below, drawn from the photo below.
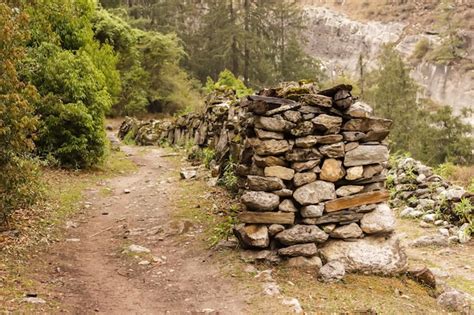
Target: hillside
(340, 32)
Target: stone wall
(312, 170)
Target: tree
(18, 178)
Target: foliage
(229, 178)
(344, 79)
(227, 80)
(431, 134)
(465, 211)
(19, 175)
(421, 48)
(208, 156)
(445, 169)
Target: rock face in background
(339, 41)
(311, 172)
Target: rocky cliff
(339, 40)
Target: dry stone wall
(312, 169)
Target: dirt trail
(93, 273)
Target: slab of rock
(314, 193)
(347, 231)
(252, 236)
(275, 229)
(351, 146)
(293, 116)
(422, 275)
(273, 124)
(301, 179)
(353, 135)
(302, 155)
(348, 190)
(306, 142)
(359, 110)
(260, 183)
(300, 234)
(430, 240)
(185, 174)
(287, 205)
(366, 154)
(335, 150)
(357, 200)
(372, 170)
(332, 170)
(355, 172)
(368, 124)
(381, 220)
(302, 129)
(306, 250)
(312, 211)
(271, 147)
(304, 262)
(267, 135)
(260, 200)
(369, 255)
(329, 139)
(282, 109)
(317, 100)
(344, 216)
(327, 123)
(283, 192)
(280, 172)
(304, 166)
(333, 271)
(264, 161)
(267, 217)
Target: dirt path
(94, 272)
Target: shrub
(227, 80)
(421, 49)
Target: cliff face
(339, 41)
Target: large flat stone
(357, 200)
(370, 255)
(252, 236)
(327, 123)
(367, 124)
(280, 172)
(266, 135)
(260, 200)
(271, 147)
(379, 221)
(261, 183)
(267, 217)
(366, 154)
(347, 231)
(314, 193)
(273, 124)
(306, 250)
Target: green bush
(421, 49)
(227, 80)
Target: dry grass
(462, 175)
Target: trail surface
(95, 273)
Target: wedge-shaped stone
(252, 236)
(366, 154)
(273, 124)
(260, 200)
(314, 193)
(353, 135)
(264, 161)
(300, 234)
(271, 147)
(359, 110)
(306, 250)
(335, 150)
(267, 135)
(280, 172)
(357, 200)
(302, 155)
(348, 190)
(287, 205)
(327, 123)
(267, 217)
(367, 124)
(261, 183)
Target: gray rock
(267, 135)
(304, 166)
(275, 229)
(271, 147)
(369, 255)
(314, 193)
(453, 193)
(444, 232)
(304, 262)
(302, 155)
(463, 233)
(260, 201)
(185, 174)
(430, 240)
(344, 216)
(429, 218)
(345, 191)
(335, 150)
(300, 234)
(293, 116)
(333, 271)
(252, 235)
(273, 124)
(327, 123)
(366, 154)
(347, 231)
(381, 220)
(306, 250)
(351, 146)
(283, 192)
(280, 172)
(301, 179)
(138, 249)
(312, 211)
(33, 300)
(455, 301)
(353, 135)
(359, 110)
(287, 205)
(260, 183)
(355, 172)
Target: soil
(93, 272)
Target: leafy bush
(465, 211)
(445, 170)
(18, 176)
(228, 81)
(229, 178)
(421, 49)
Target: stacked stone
(419, 193)
(313, 171)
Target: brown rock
(252, 235)
(350, 146)
(353, 135)
(332, 170)
(260, 201)
(271, 147)
(301, 179)
(328, 123)
(356, 200)
(275, 229)
(280, 172)
(287, 206)
(267, 217)
(312, 211)
(293, 116)
(348, 190)
(304, 262)
(359, 110)
(372, 170)
(266, 135)
(273, 124)
(354, 173)
(306, 142)
(366, 154)
(304, 166)
(302, 155)
(306, 250)
(335, 150)
(314, 193)
(344, 216)
(260, 183)
(368, 124)
(264, 161)
(317, 100)
(329, 139)
(422, 275)
(303, 128)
